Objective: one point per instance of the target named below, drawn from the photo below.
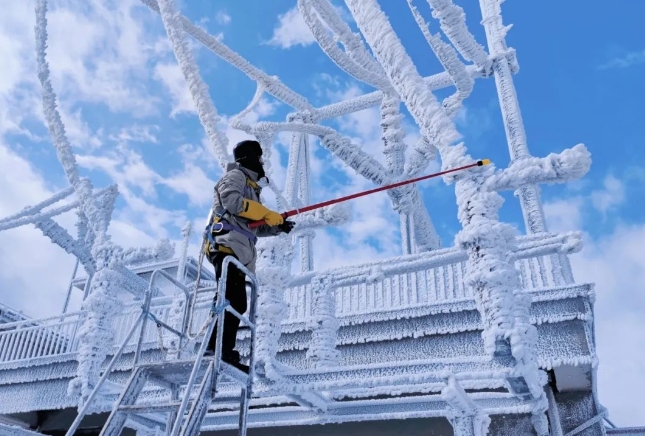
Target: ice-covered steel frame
(488, 243)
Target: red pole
(286, 215)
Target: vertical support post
(304, 197)
(512, 116)
(322, 351)
(407, 230)
(71, 286)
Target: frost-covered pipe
(570, 164)
(338, 56)
(275, 256)
(487, 241)
(448, 57)
(82, 187)
(514, 126)
(304, 197)
(293, 166)
(59, 236)
(453, 23)
(366, 101)
(271, 84)
(236, 121)
(198, 89)
(323, 323)
(351, 41)
(392, 134)
(29, 211)
(465, 416)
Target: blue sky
(131, 121)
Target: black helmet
(248, 154)
(247, 150)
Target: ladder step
(234, 374)
(173, 372)
(150, 408)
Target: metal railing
(30, 339)
(391, 284)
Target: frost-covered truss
(376, 57)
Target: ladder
(198, 377)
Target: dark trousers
(236, 295)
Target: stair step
(177, 373)
(151, 408)
(173, 372)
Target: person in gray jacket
(236, 204)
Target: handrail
(146, 309)
(218, 307)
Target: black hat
(247, 149)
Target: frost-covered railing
(391, 284)
(432, 277)
(29, 339)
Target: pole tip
(483, 162)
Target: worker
(236, 204)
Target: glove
(274, 219)
(286, 226)
(255, 211)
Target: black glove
(286, 226)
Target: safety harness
(218, 226)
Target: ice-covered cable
(198, 89)
(351, 41)
(271, 83)
(82, 187)
(453, 23)
(237, 121)
(448, 57)
(340, 58)
(59, 236)
(32, 210)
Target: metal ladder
(184, 417)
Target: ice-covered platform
(408, 339)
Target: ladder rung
(176, 372)
(150, 408)
(233, 373)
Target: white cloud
(615, 263)
(612, 194)
(193, 182)
(564, 215)
(223, 18)
(629, 60)
(137, 133)
(173, 80)
(291, 30)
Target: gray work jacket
(230, 192)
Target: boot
(233, 358)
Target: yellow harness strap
(225, 249)
(251, 183)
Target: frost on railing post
(323, 322)
(273, 274)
